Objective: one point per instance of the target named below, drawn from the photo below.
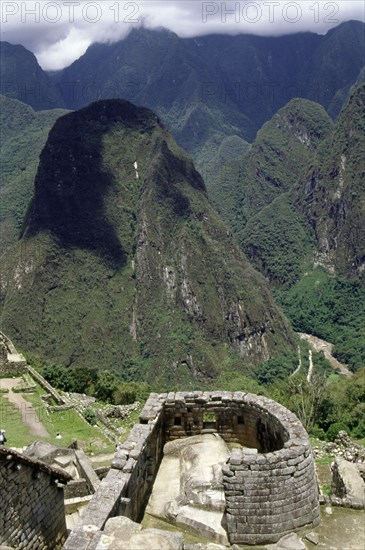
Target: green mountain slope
(296, 202)
(333, 193)
(256, 194)
(123, 259)
(22, 136)
(22, 78)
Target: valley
(321, 345)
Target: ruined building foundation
(268, 493)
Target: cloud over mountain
(60, 31)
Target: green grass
(70, 426)
(327, 489)
(67, 423)
(17, 433)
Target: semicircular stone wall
(269, 492)
(270, 484)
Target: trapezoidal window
(209, 421)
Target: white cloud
(59, 31)
(62, 53)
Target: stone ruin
(268, 493)
(84, 480)
(11, 362)
(32, 512)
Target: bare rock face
(346, 481)
(188, 489)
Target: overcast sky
(59, 31)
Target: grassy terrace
(68, 423)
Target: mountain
(333, 193)
(22, 78)
(124, 264)
(22, 137)
(255, 193)
(210, 88)
(295, 203)
(213, 86)
(300, 187)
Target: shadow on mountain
(72, 183)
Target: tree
(306, 398)
(106, 385)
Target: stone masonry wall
(45, 385)
(125, 489)
(269, 493)
(270, 490)
(32, 513)
(274, 493)
(11, 362)
(229, 414)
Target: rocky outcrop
(120, 533)
(347, 482)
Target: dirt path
(326, 347)
(28, 412)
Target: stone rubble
(344, 447)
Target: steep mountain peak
(334, 191)
(261, 185)
(280, 153)
(74, 180)
(143, 31)
(347, 26)
(22, 78)
(124, 258)
(304, 120)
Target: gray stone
(147, 539)
(121, 523)
(288, 542)
(347, 481)
(188, 488)
(312, 537)
(63, 460)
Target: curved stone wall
(236, 417)
(270, 492)
(270, 485)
